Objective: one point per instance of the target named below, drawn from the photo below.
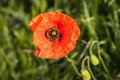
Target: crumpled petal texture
(66, 25)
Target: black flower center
(53, 34)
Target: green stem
(73, 65)
(99, 55)
(88, 65)
(90, 69)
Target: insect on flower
(54, 34)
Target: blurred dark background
(98, 20)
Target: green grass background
(98, 20)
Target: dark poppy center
(53, 34)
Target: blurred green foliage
(98, 20)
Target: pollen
(53, 33)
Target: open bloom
(54, 34)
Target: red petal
(35, 22)
(52, 52)
(65, 28)
(37, 51)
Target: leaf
(43, 6)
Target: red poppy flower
(54, 34)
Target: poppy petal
(35, 22)
(52, 52)
(66, 30)
(37, 51)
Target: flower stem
(73, 65)
(88, 65)
(99, 55)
